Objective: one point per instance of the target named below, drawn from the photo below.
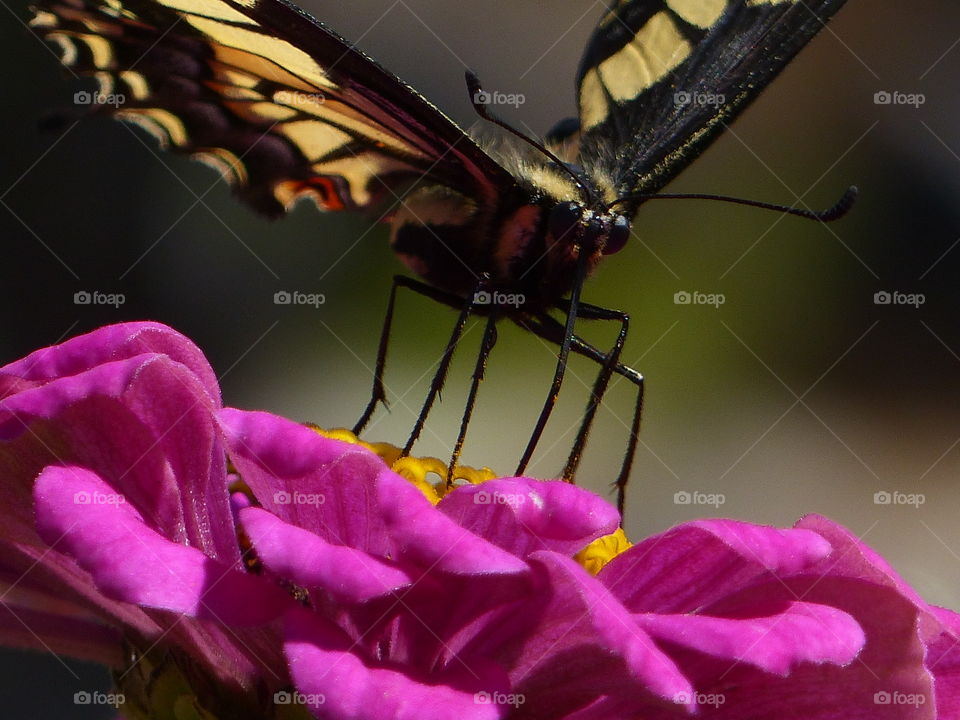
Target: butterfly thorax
(524, 244)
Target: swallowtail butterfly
(286, 109)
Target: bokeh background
(799, 394)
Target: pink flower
(327, 579)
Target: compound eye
(594, 231)
(564, 219)
(618, 235)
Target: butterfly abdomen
(457, 244)
(452, 241)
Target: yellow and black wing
(660, 78)
(282, 105)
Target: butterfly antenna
(841, 208)
(477, 95)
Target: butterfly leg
(609, 362)
(486, 346)
(561, 368)
(440, 376)
(550, 329)
(378, 393)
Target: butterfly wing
(281, 105)
(660, 78)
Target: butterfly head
(574, 224)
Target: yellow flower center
(416, 470)
(602, 550)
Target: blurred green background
(799, 394)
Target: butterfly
(286, 109)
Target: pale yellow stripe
(314, 139)
(233, 77)
(359, 170)
(160, 123)
(100, 50)
(593, 102)
(261, 113)
(68, 47)
(107, 83)
(280, 52)
(656, 50)
(210, 8)
(337, 112)
(232, 92)
(224, 162)
(44, 19)
(137, 84)
(702, 13)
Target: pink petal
(428, 538)
(83, 516)
(523, 515)
(349, 575)
(605, 651)
(328, 670)
(769, 643)
(700, 562)
(144, 422)
(107, 344)
(281, 461)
